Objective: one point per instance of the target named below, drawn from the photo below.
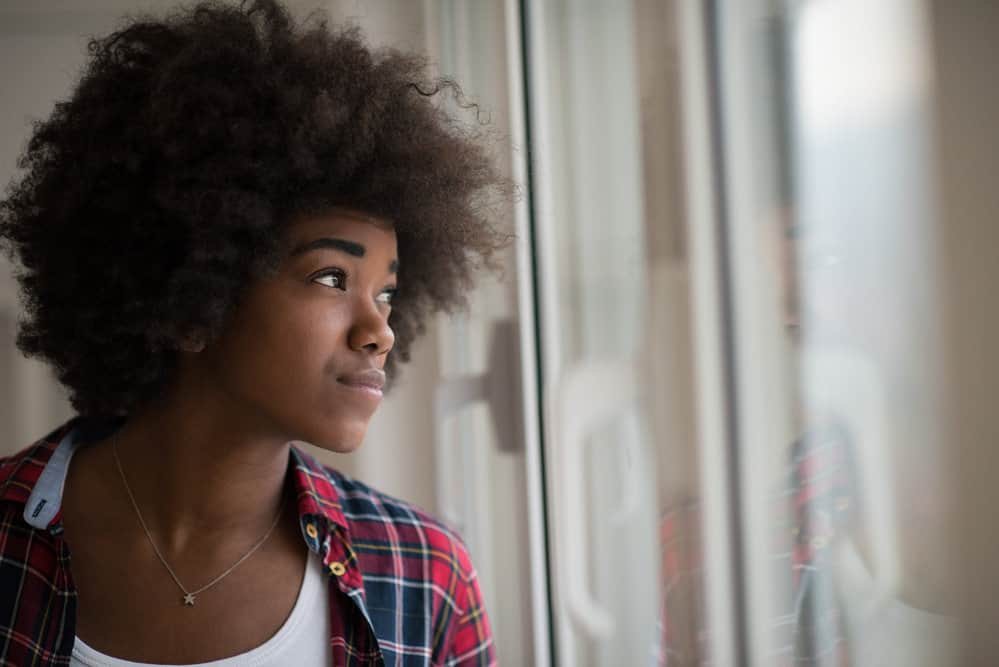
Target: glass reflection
(865, 488)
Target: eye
(334, 278)
(387, 295)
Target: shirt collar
(315, 489)
(24, 480)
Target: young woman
(228, 237)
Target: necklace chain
(189, 596)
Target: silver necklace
(189, 596)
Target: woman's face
(304, 350)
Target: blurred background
(732, 400)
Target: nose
(370, 331)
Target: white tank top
(303, 639)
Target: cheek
(302, 344)
(277, 348)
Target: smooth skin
(207, 462)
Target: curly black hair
(160, 188)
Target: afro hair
(150, 198)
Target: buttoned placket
(331, 543)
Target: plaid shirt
(402, 590)
(815, 505)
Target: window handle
(499, 388)
(590, 396)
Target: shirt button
(337, 568)
(311, 531)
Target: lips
(372, 379)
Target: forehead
(346, 224)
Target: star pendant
(189, 600)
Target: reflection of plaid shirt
(401, 588)
(815, 506)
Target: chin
(341, 440)
(339, 447)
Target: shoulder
(35, 589)
(398, 544)
(380, 522)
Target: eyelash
(341, 277)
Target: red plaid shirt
(402, 590)
(815, 505)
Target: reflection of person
(854, 489)
(818, 499)
(223, 233)
(815, 504)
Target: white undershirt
(303, 639)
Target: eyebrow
(350, 247)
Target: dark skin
(207, 462)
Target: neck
(196, 470)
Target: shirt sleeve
(472, 639)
